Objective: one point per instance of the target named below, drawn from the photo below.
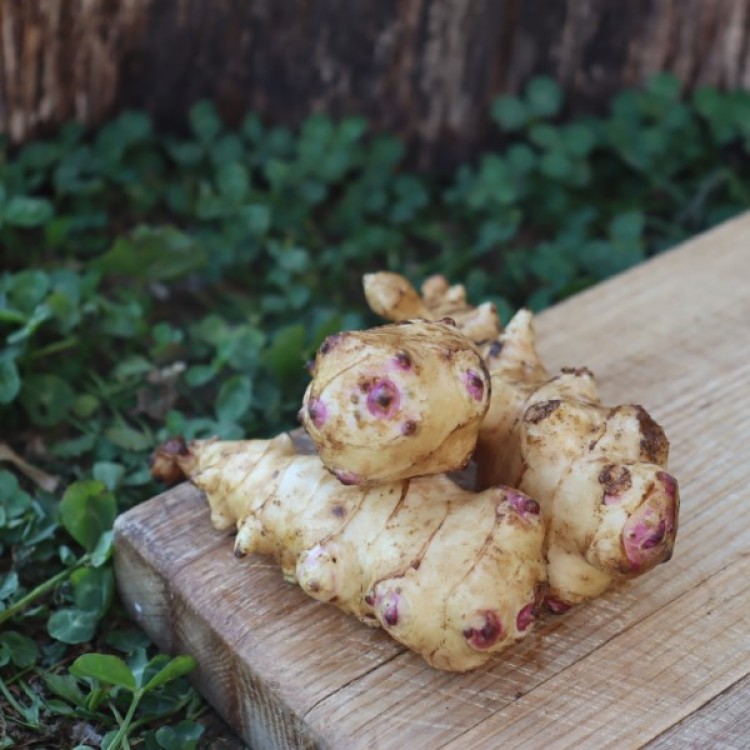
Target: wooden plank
(249, 631)
(704, 459)
(673, 334)
(629, 689)
(403, 690)
(723, 722)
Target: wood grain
(658, 660)
(724, 723)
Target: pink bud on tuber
(348, 477)
(526, 617)
(389, 610)
(488, 634)
(648, 534)
(403, 361)
(317, 411)
(474, 384)
(523, 505)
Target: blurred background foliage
(155, 284)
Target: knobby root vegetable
(599, 473)
(454, 575)
(392, 297)
(396, 401)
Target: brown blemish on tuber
(615, 480)
(409, 427)
(537, 412)
(654, 443)
(165, 465)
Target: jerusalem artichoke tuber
(454, 575)
(599, 473)
(392, 297)
(396, 401)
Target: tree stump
(425, 69)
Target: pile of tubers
(569, 495)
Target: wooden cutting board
(662, 661)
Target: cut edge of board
(266, 721)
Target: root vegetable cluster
(569, 495)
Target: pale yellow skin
(599, 473)
(392, 297)
(434, 392)
(430, 562)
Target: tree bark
(425, 69)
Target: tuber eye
(403, 361)
(390, 611)
(655, 537)
(408, 428)
(639, 535)
(495, 348)
(348, 477)
(556, 606)
(616, 480)
(383, 399)
(526, 617)
(523, 505)
(317, 412)
(646, 534)
(331, 342)
(487, 635)
(474, 384)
